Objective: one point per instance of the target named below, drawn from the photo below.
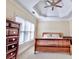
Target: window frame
(24, 31)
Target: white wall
(13, 9)
(54, 26)
(70, 22)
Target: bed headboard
(52, 35)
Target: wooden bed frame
(53, 45)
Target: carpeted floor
(30, 55)
(49, 56)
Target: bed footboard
(52, 45)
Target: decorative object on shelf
(12, 39)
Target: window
(26, 30)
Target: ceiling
(36, 7)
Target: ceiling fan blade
(49, 2)
(58, 6)
(52, 8)
(47, 6)
(57, 2)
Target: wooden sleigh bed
(53, 44)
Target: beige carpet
(49, 56)
(30, 55)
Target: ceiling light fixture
(33, 12)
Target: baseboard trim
(25, 48)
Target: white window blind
(26, 30)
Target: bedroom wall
(13, 9)
(70, 22)
(54, 26)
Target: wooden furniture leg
(70, 49)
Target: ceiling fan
(53, 3)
